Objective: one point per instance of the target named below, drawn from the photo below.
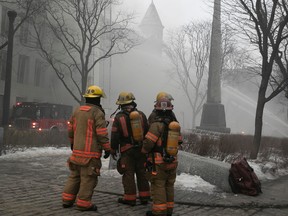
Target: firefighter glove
(107, 154)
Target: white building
(32, 79)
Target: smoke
(145, 74)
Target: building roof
(151, 17)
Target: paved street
(33, 186)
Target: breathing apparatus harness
(151, 165)
(127, 110)
(164, 137)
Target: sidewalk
(275, 195)
(33, 185)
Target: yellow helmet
(164, 94)
(94, 91)
(125, 98)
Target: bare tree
(235, 58)
(81, 33)
(188, 51)
(264, 23)
(25, 9)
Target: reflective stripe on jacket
(153, 143)
(88, 131)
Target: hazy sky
(173, 13)
(145, 75)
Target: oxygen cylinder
(172, 139)
(136, 126)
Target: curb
(213, 171)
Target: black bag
(243, 179)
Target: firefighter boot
(149, 213)
(127, 202)
(67, 205)
(93, 207)
(144, 201)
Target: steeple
(152, 28)
(152, 17)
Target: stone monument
(213, 112)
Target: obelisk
(213, 112)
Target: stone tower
(213, 113)
(152, 29)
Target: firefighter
(158, 97)
(162, 137)
(128, 130)
(88, 137)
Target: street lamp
(7, 90)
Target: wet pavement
(33, 186)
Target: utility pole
(7, 90)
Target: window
(20, 99)
(41, 35)
(23, 69)
(3, 55)
(4, 21)
(24, 33)
(39, 75)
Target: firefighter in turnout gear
(161, 146)
(128, 131)
(88, 137)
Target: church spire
(152, 17)
(152, 28)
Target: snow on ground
(267, 170)
(194, 183)
(36, 152)
(189, 182)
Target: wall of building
(32, 78)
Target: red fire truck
(40, 116)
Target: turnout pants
(134, 161)
(162, 190)
(81, 183)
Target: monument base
(213, 118)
